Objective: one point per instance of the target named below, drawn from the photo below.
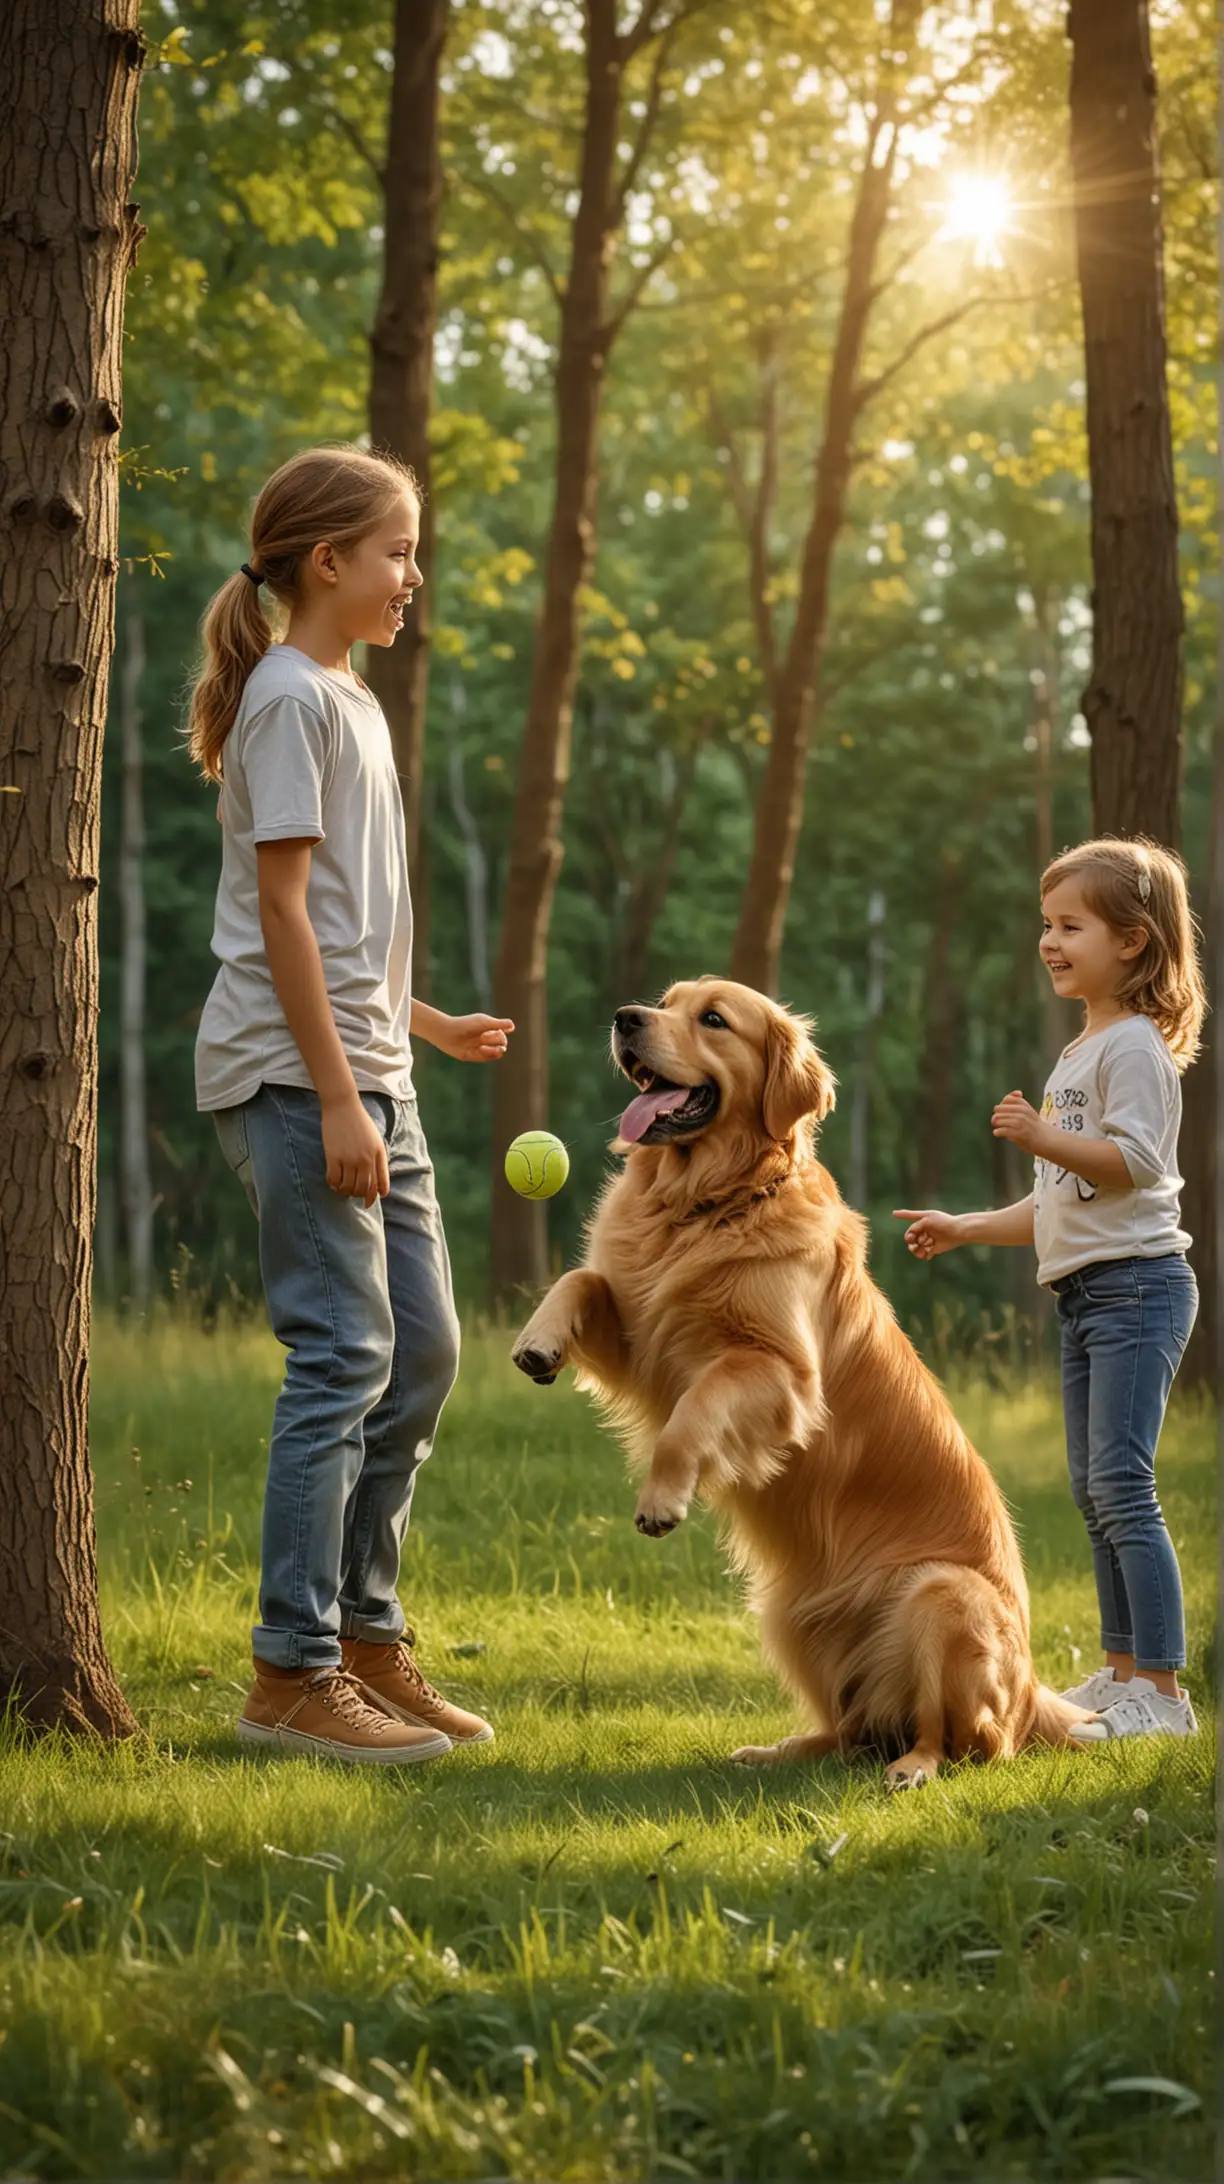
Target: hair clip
(1143, 881)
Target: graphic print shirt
(1120, 1084)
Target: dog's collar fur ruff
(736, 1213)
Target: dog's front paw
(659, 1512)
(540, 1360)
(911, 1771)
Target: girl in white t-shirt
(303, 1060)
(1117, 934)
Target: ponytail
(236, 635)
(336, 493)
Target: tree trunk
(520, 1091)
(943, 1005)
(1203, 1114)
(757, 950)
(136, 1187)
(475, 863)
(401, 388)
(68, 235)
(1060, 1020)
(860, 1110)
(648, 889)
(1133, 700)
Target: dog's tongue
(647, 1107)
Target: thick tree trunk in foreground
(1133, 700)
(757, 950)
(520, 1087)
(1202, 1159)
(69, 76)
(137, 1189)
(401, 391)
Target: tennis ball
(537, 1164)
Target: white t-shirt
(310, 754)
(1119, 1084)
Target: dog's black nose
(627, 1021)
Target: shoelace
(342, 1693)
(1097, 1687)
(405, 1660)
(1133, 1711)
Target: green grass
(595, 1949)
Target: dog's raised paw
(655, 1527)
(542, 1366)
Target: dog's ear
(797, 1081)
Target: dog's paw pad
(655, 1527)
(542, 1366)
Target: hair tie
(247, 570)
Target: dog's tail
(1054, 1717)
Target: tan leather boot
(324, 1710)
(389, 1676)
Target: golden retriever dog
(725, 1318)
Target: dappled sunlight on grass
(594, 1949)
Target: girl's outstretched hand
(477, 1038)
(932, 1232)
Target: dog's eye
(714, 1020)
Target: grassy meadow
(594, 1949)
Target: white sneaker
(1096, 1691)
(1140, 1710)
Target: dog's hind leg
(964, 1667)
(817, 1745)
(576, 1324)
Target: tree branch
(645, 28)
(358, 140)
(531, 244)
(867, 389)
(753, 509)
(653, 101)
(645, 275)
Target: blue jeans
(362, 1300)
(1124, 1325)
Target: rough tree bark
(136, 1187)
(69, 78)
(1060, 1020)
(589, 325)
(1203, 1123)
(757, 949)
(1133, 700)
(401, 392)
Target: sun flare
(978, 210)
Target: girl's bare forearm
(293, 956)
(1096, 1159)
(999, 1225)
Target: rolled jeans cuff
(375, 1631)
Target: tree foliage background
(960, 600)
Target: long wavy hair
(336, 493)
(1137, 886)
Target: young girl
(1116, 935)
(303, 1060)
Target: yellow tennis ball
(536, 1164)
